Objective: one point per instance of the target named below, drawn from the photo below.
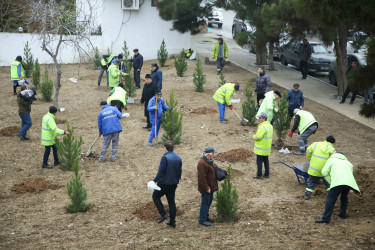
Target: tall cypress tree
(36, 74)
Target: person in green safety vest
(268, 104)
(222, 96)
(117, 98)
(115, 74)
(307, 125)
(220, 54)
(104, 64)
(188, 53)
(49, 131)
(318, 154)
(263, 144)
(338, 172)
(17, 73)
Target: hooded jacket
(318, 154)
(263, 83)
(268, 106)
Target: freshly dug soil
(149, 212)
(10, 131)
(60, 121)
(234, 155)
(36, 185)
(204, 110)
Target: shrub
(282, 119)
(222, 79)
(162, 54)
(249, 106)
(172, 122)
(198, 77)
(129, 83)
(180, 64)
(47, 87)
(36, 74)
(96, 60)
(226, 200)
(242, 38)
(28, 62)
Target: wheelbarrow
(300, 171)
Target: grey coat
(263, 84)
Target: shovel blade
(89, 151)
(244, 122)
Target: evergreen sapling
(282, 120)
(36, 74)
(47, 87)
(180, 64)
(198, 78)
(249, 106)
(226, 200)
(96, 60)
(125, 51)
(162, 54)
(28, 62)
(172, 122)
(129, 83)
(222, 79)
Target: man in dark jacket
(305, 55)
(110, 127)
(167, 178)
(149, 90)
(207, 184)
(137, 66)
(25, 99)
(263, 84)
(295, 99)
(157, 75)
(352, 66)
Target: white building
(140, 26)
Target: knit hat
(135, 50)
(19, 58)
(262, 115)
(148, 76)
(237, 87)
(220, 39)
(331, 139)
(52, 109)
(154, 64)
(102, 103)
(296, 86)
(277, 93)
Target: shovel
(243, 120)
(92, 146)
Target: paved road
(313, 88)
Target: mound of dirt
(149, 212)
(363, 176)
(204, 111)
(234, 155)
(10, 131)
(36, 185)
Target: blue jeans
(332, 196)
(26, 123)
(205, 206)
(152, 134)
(221, 110)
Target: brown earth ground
(272, 213)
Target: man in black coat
(305, 54)
(137, 66)
(149, 90)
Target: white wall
(142, 29)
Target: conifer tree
(282, 120)
(28, 62)
(172, 121)
(129, 83)
(47, 87)
(125, 51)
(226, 200)
(198, 78)
(69, 150)
(249, 106)
(180, 64)
(222, 79)
(96, 60)
(162, 54)
(36, 74)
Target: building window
(153, 3)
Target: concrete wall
(142, 29)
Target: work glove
(100, 134)
(290, 134)
(231, 107)
(156, 107)
(21, 78)
(126, 108)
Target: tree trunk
(261, 54)
(341, 58)
(57, 83)
(271, 65)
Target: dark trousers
(332, 196)
(260, 160)
(312, 181)
(346, 93)
(290, 113)
(220, 63)
(304, 66)
(147, 116)
(102, 70)
(118, 104)
(46, 155)
(137, 78)
(205, 206)
(259, 97)
(169, 191)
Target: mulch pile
(10, 131)
(204, 111)
(234, 155)
(36, 185)
(149, 212)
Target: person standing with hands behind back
(137, 66)
(157, 75)
(305, 55)
(263, 84)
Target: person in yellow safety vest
(104, 64)
(318, 154)
(220, 54)
(188, 53)
(338, 172)
(115, 74)
(117, 98)
(17, 72)
(263, 144)
(307, 125)
(222, 96)
(268, 104)
(49, 131)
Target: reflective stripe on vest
(265, 137)
(47, 129)
(262, 149)
(314, 155)
(219, 97)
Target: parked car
(215, 18)
(359, 58)
(240, 25)
(320, 57)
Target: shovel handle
(237, 115)
(95, 141)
